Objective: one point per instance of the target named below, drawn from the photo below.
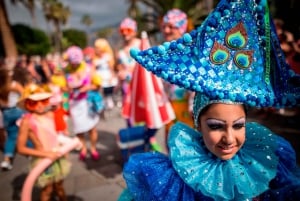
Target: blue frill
(243, 177)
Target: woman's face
(98, 51)
(170, 32)
(223, 129)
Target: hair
(128, 23)
(103, 45)
(177, 18)
(74, 54)
(22, 76)
(5, 78)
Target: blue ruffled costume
(265, 168)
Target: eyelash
(238, 126)
(215, 126)
(220, 126)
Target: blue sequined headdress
(234, 55)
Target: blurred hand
(53, 155)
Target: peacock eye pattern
(235, 40)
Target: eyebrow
(239, 119)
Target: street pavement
(102, 180)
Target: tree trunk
(57, 36)
(33, 18)
(7, 37)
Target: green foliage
(86, 20)
(31, 41)
(74, 37)
(104, 32)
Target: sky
(103, 13)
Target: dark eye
(215, 126)
(238, 126)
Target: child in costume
(60, 113)
(38, 125)
(233, 60)
(58, 79)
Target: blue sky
(103, 13)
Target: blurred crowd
(290, 44)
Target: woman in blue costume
(232, 61)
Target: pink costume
(43, 127)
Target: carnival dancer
(81, 80)
(125, 63)
(232, 61)
(38, 126)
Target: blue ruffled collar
(244, 176)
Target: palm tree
(195, 9)
(58, 14)
(87, 21)
(133, 10)
(9, 43)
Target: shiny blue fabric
(286, 185)
(265, 161)
(150, 176)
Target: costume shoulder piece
(235, 47)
